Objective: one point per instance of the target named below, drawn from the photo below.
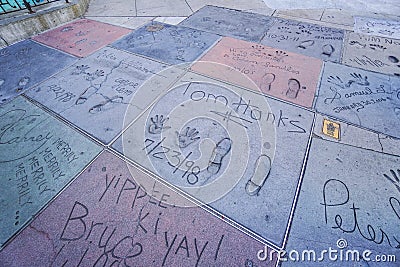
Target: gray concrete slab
(305, 38)
(349, 201)
(313, 14)
(94, 93)
(170, 20)
(27, 63)
(167, 43)
(39, 155)
(245, 129)
(373, 53)
(171, 8)
(367, 99)
(127, 22)
(377, 27)
(256, 6)
(350, 134)
(127, 223)
(228, 22)
(111, 8)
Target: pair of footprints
(292, 90)
(262, 166)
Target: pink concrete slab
(285, 75)
(106, 217)
(81, 37)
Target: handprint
(395, 179)
(358, 79)
(94, 75)
(188, 137)
(336, 81)
(157, 124)
(80, 70)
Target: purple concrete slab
(39, 155)
(363, 98)
(253, 180)
(305, 38)
(288, 76)
(168, 43)
(229, 22)
(27, 63)
(82, 37)
(95, 92)
(349, 204)
(108, 217)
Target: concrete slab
(167, 43)
(27, 63)
(94, 93)
(364, 98)
(256, 6)
(314, 14)
(38, 157)
(305, 38)
(170, 8)
(127, 22)
(343, 201)
(373, 53)
(359, 137)
(250, 130)
(229, 22)
(170, 20)
(81, 37)
(291, 77)
(377, 27)
(111, 8)
(338, 16)
(106, 216)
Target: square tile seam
(299, 183)
(64, 121)
(206, 207)
(35, 215)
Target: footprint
(328, 50)
(393, 59)
(294, 88)
(397, 111)
(2, 82)
(306, 44)
(262, 168)
(105, 105)
(267, 79)
(220, 151)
